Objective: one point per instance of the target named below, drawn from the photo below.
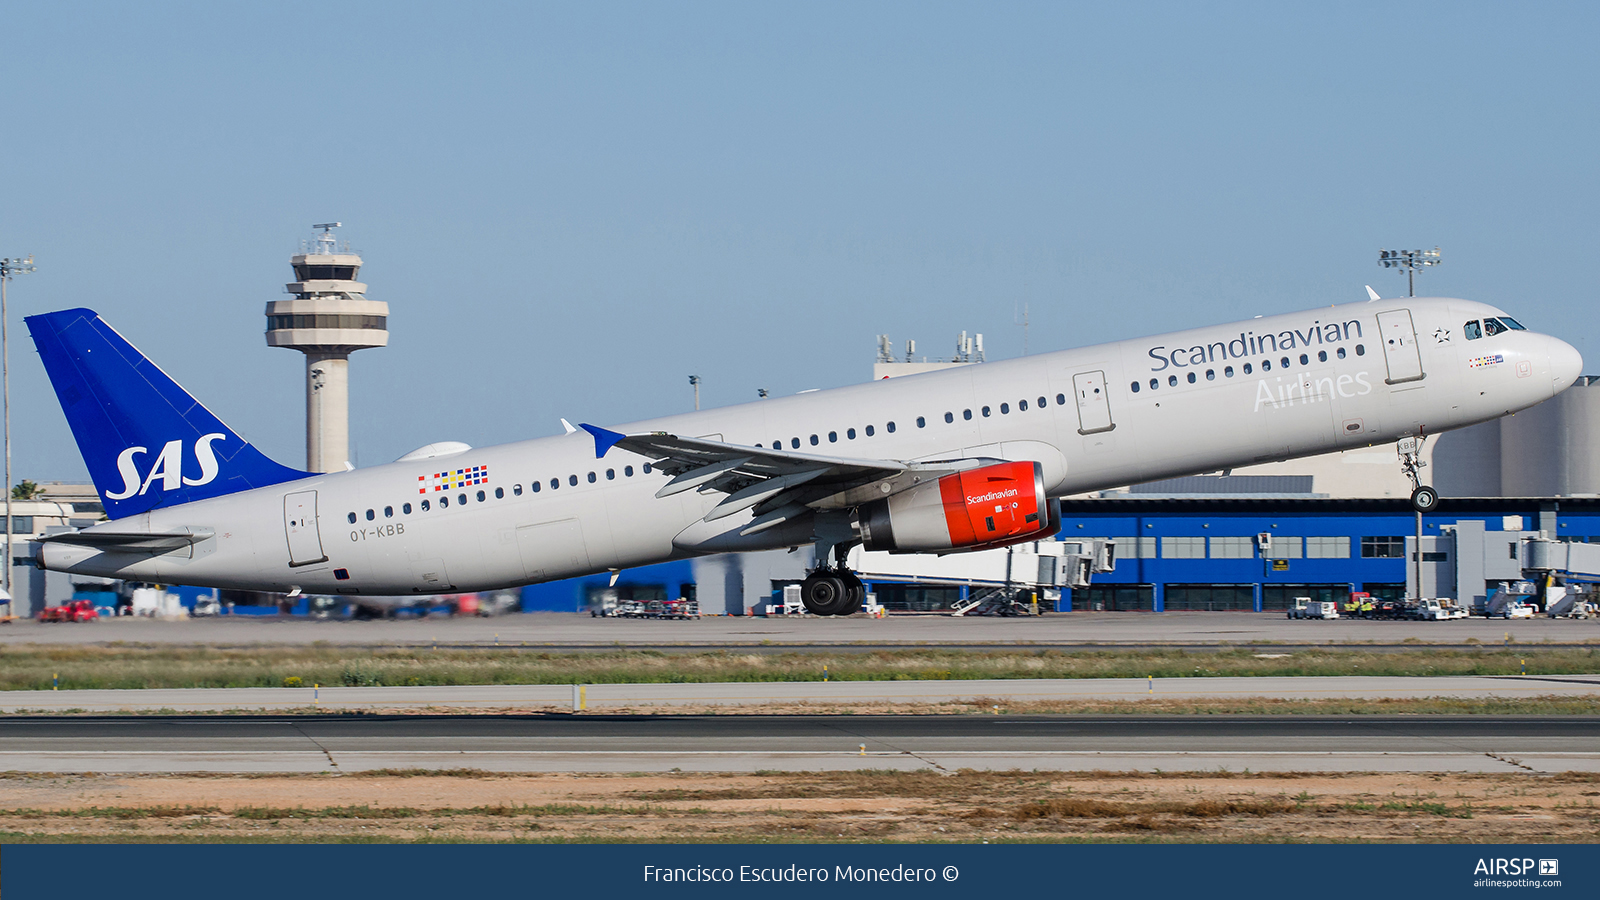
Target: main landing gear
(834, 591)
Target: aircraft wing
(778, 484)
(133, 541)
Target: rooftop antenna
(885, 349)
(911, 349)
(9, 267)
(695, 381)
(327, 244)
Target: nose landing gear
(1424, 498)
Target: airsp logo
(168, 467)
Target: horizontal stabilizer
(132, 541)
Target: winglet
(1372, 293)
(603, 440)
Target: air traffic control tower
(328, 318)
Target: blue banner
(401, 872)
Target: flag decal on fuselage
(449, 481)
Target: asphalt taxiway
(565, 743)
(581, 632)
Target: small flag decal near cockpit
(448, 481)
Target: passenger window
(921, 422)
(1022, 406)
(444, 502)
(1172, 381)
(555, 483)
(424, 506)
(1191, 378)
(1284, 362)
(499, 493)
(516, 489)
(1247, 368)
(966, 414)
(1492, 327)
(1339, 353)
(1305, 360)
(1227, 371)
(1266, 365)
(352, 518)
(647, 468)
(1134, 386)
(1472, 330)
(1061, 399)
(388, 512)
(1361, 350)
(777, 445)
(871, 431)
(890, 426)
(1211, 374)
(815, 440)
(1322, 356)
(1005, 409)
(405, 508)
(1155, 383)
(850, 433)
(949, 417)
(462, 498)
(986, 412)
(535, 487)
(591, 477)
(833, 437)
(371, 515)
(481, 497)
(794, 443)
(611, 474)
(628, 471)
(1042, 403)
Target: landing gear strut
(1423, 497)
(835, 591)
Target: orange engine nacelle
(986, 507)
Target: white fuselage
(1039, 408)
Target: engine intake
(990, 506)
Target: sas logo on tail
(168, 467)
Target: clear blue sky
(571, 207)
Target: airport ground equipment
(75, 611)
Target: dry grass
(866, 806)
(33, 666)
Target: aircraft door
(300, 524)
(1094, 406)
(1400, 348)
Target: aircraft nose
(1566, 364)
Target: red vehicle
(76, 611)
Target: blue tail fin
(147, 443)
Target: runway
(629, 697)
(565, 743)
(580, 632)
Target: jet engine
(977, 509)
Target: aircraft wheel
(822, 592)
(1424, 499)
(855, 593)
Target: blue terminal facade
(1205, 554)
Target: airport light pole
(8, 267)
(1411, 261)
(694, 380)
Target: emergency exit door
(1094, 407)
(1400, 350)
(300, 524)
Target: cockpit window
(1493, 327)
(1472, 330)
(1513, 324)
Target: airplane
(962, 459)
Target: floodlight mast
(1411, 261)
(8, 268)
